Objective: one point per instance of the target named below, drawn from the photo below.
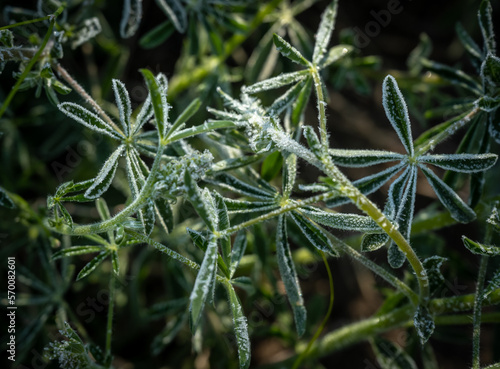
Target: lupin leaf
(92, 265)
(240, 328)
(289, 51)
(131, 18)
(315, 235)
(424, 323)
(465, 163)
(479, 248)
(199, 202)
(324, 33)
(123, 103)
(175, 12)
(362, 158)
(105, 176)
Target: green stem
(402, 317)
(26, 22)
(109, 328)
(33, 61)
(182, 81)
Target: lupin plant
(224, 198)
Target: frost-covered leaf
(147, 215)
(87, 118)
(374, 241)
(494, 218)
(457, 208)
(239, 247)
(343, 221)
(395, 256)
(313, 141)
(407, 205)
(289, 276)
(324, 32)
(488, 104)
(115, 262)
(300, 103)
(175, 12)
(276, 82)
(158, 100)
(131, 18)
(207, 126)
(92, 265)
(233, 184)
(240, 328)
(203, 205)
(5, 200)
(164, 214)
(397, 112)
(432, 266)
(105, 176)
(183, 117)
(336, 53)
(123, 103)
(315, 235)
(242, 206)
(288, 98)
(490, 71)
(204, 281)
(363, 158)
(7, 38)
(492, 285)
(76, 250)
(289, 174)
(424, 323)
(289, 51)
(147, 111)
(486, 24)
(390, 355)
(455, 76)
(396, 193)
(479, 248)
(465, 163)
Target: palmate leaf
(289, 276)
(289, 51)
(479, 248)
(204, 281)
(324, 33)
(363, 158)
(397, 112)
(464, 163)
(105, 176)
(457, 208)
(88, 119)
(131, 18)
(175, 12)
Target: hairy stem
(81, 91)
(33, 61)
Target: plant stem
(109, 329)
(23, 23)
(33, 61)
(81, 91)
(321, 109)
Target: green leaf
(5, 200)
(374, 241)
(240, 244)
(313, 141)
(157, 35)
(201, 204)
(123, 103)
(92, 265)
(164, 215)
(457, 208)
(494, 218)
(271, 166)
(288, 51)
(424, 323)
(276, 82)
(300, 103)
(175, 12)
(363, 158)
(233, 163)
(88, 119)
(395, 256)
(105, 176)
(76, 250)
(183, 117)
(131, 18)
(168, 334)
(465, 163)
(203, 283)
(493, 285)
(147, 215)
(7, 38)
(240, 328)
(490, 71)
(315, 235)
(407, 204)
(455, 76)
(288, 98)
(390, 355)
(223, 225)
(488, 104)
(432, 266)
(469, 44)
(289, 276)
(233, 184)
(115, 262)
(486, 25)
(479, 248)
(324, 32)
(289, 175)
(336, 53)
(397, 112)
(207, 126)
(159, 101)
(343, 221)
(241, 206)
